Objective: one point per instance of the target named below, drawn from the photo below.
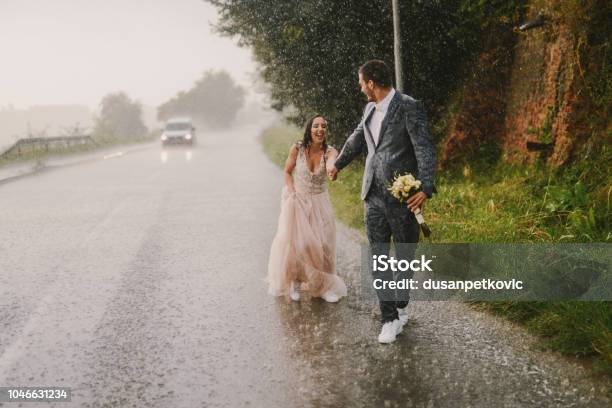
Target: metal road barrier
(32, 143)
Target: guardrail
(32, 143)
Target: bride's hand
(332, 173)
(332, 170)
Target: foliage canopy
(214, 100)
(120, 118)
(310, 51)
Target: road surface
(138, 282)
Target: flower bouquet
(403, 188)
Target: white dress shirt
(379, 114)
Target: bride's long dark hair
(307, 139)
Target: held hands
(332, 173)
(417, 201)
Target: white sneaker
(294, 293)
(330, 297)
(389, 331)
(403, 315)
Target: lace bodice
(308, 182)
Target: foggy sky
(75, 52)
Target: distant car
(178, 131)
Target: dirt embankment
(527, 86)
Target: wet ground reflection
(176, 153)
(339, 361)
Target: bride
(303, 252)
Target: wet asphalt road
(138, 282)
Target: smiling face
(367, 88)
(318, 130)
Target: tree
(214, 99)
(120, 118)
(310, 50)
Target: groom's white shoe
(389, 331)
(402, 314)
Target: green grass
(581, 329)
(502, 204)
(520, 204)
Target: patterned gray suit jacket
(404, 146)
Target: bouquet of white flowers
(402, 188)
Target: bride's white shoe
(330, 297)
(294, 292)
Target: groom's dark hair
(377, 71)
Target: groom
(393, 131)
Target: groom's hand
(417, 201)
(333, 173)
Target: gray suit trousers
(385, 220)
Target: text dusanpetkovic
(381, 263)
(433, 284)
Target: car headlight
(188, 136)
(164, 137)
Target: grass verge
(509, 204)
